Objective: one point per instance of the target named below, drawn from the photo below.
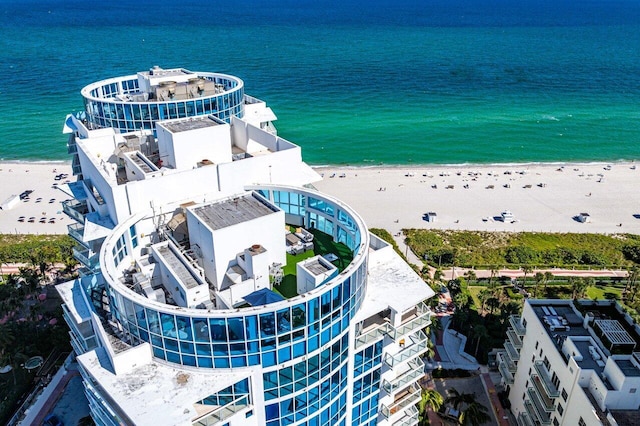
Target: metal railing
(410, 418)
(418, 346)
(422, 320)
(372, 335)
(545, 379)
(514, 321)
(512, 352)
(515, 340)
(541, 395)
(411, 398)
(75, 209)
(507, 376)
(542, 415)
(76, 231)
(223, 412)
(414, 372)
(86, 257)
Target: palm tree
(548, 276)
(479, 332)
(527, 270)
(470, 275)
(475, 414)
(432, 399)
(456, 398)
(484, 295)
(538, 278)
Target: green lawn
(322, 244)
(604, 292)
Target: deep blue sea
(361, 82)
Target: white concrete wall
(220, 247)
(183, 150)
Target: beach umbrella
(263, 296)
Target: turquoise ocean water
(360, 82)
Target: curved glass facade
(301, 343)
(104, 106)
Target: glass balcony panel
(75, 209)
(541, 413)
(514, 321)
(410, 418)
(524, 420)
(421, 320)
(76, 231)
(501, 356)
(515, 340)
(507, 376)
(418, 344)
(221, 413)
(512, 352)
(411, 397)
(86, 257)
(372, 335)
(413, 372)
(542, 392)
(545, 379)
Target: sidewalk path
(499, 412)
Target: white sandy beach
(44, 202)
(542, 197)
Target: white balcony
(411, 373)
(524, 420)
(411, 417)
(515, 340)
(514, 321)
(420, 319)
(512, 352)
(417, 344)
(537, 413)
(372, 335)
(545, 380)
(75, 209)
(507, 376)
(220, 413)
(405, 399)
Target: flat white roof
(391, 284)
(71, 294)
(154, 393)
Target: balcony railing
(502, 357)
(422, 320)
(507, 376)
(540, 397)
(86, 257)
(524, 420)
(545, 379)
(514, 321)
(411, 397)
(410, 418)
(76, 168)
(372, 335)
(512, 352)
(418, 345)
(415, 370)
(75, 209)
(515, 340)
(224, 412)
(540, 413)
(76, 231)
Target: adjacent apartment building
(572, 363)
(218, 287)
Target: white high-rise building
(572, 363)
(220, 288)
